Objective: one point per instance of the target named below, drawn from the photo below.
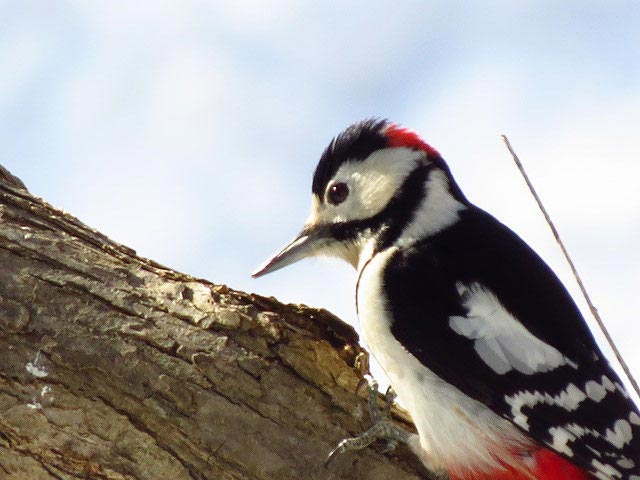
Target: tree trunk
(115, 367)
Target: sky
(189, 130)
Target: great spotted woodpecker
(479, 338)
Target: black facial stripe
(356, 143)
(402, 208)
(394, 217)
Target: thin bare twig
(594, 310)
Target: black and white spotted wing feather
(477, 306)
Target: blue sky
(190, 130)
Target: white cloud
(23, 52)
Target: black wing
(421, 283)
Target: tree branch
(115, 367)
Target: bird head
(375, 184)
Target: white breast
(456, 432)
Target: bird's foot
(382, 429)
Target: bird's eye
(338, 193)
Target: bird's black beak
(308, 243)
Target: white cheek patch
(372, 183)
(502, 342)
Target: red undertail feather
(551, 466)
(403, 137)
(546, 465)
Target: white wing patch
(454, 430)
(501, 341)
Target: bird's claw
(389, 446)
(382, 429)
(350, 445)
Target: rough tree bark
(115, 367)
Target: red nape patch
(403, 137)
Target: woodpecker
(479, 338)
